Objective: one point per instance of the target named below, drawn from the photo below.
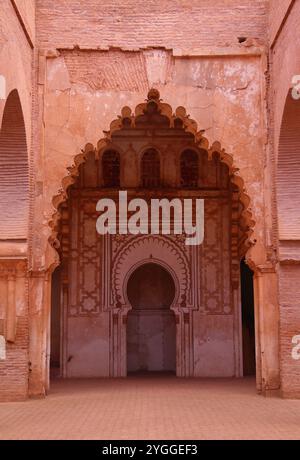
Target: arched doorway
(151, 329)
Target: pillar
(39, 332)
(266, 329)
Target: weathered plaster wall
(214, 340)
(214, 346)
(151, 341)
(88, 346)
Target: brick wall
(285, 58)
(285, 64)
(16, 59)
(137, 23)
(26, 11)
(289, 327)
(14, 370)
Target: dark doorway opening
(248, 321)
(151, 328)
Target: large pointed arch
(288, 172)
(14, 181)
(156, 110)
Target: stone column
(39, 330)
(184, 343)
(118, 342)
(123, 344)
(266, 329)
(11, 313)
(114, 343)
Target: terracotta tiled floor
(151, 408)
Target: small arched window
(111, 168)
(151, 169)
(189, 168)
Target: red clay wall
(289, 327)
(138, 24)
(278, 11)
(25, 9)
(285, 64)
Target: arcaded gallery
(163, 104)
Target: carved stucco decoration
(151, 108)
(157, 249)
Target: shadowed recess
(150, 286)
(14, 193)
(288, 173)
